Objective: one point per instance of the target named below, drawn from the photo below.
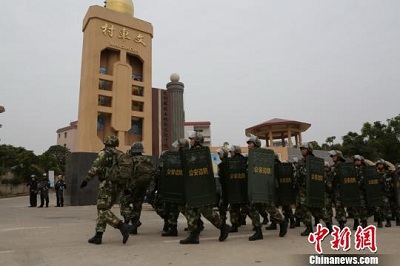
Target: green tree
(384, 138)
(19, 161)
(330, 140)
(54, 159)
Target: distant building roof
(199, 123)
(72, 125)
(278, 124)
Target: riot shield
(396, 180)
(372, 185)
(350, 188)
(171, 181)
(261, 180)
(235, 190)
(199, 181)
(315, 182)
(284, 176)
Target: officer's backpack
(121, 170)
(143, 171)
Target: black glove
(84, 184)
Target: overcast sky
(334, 64)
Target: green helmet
(198, 137)
(307, 145)
(111, 141)
(255, 140)
(382, 161)
(358, 157)
(137, 147)
(235, 149)
(223, 150)
(337, 153)
(182, 144)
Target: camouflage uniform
(304, 211)
(108, 191)
(328, 194)
(132, 200)
(193, 215)
(337, 189)
(223, 205)
(361, 212)
(169, 211)
(389, 206)
(237, 211)
(256, 208)
(339, 208)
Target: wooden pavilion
(279, 129)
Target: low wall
(12, 191)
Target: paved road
(58, 236)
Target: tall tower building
(116, 78)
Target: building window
(100, 122)
(137, 106)
(59, 135)
(136, 90)
(104, 101)
(136, 126)
(65, 134)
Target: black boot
(125, 230)
(96, 239)
(225, 229)
(265, 220)
(316, 221)
(135, 224)
(329, 226)
(292, 223)
(307, 231)
(356, 224)
(166, 225)
(341, 225)
(283, 228)
(257, 235)
(388, 223)
(243, 220)
(172, 231)
(297, 224)
(234, 228)
(272, 226)
(380, 225)
(193, 238)
(364, 223)
(200, 226)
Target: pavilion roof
(279, 128)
